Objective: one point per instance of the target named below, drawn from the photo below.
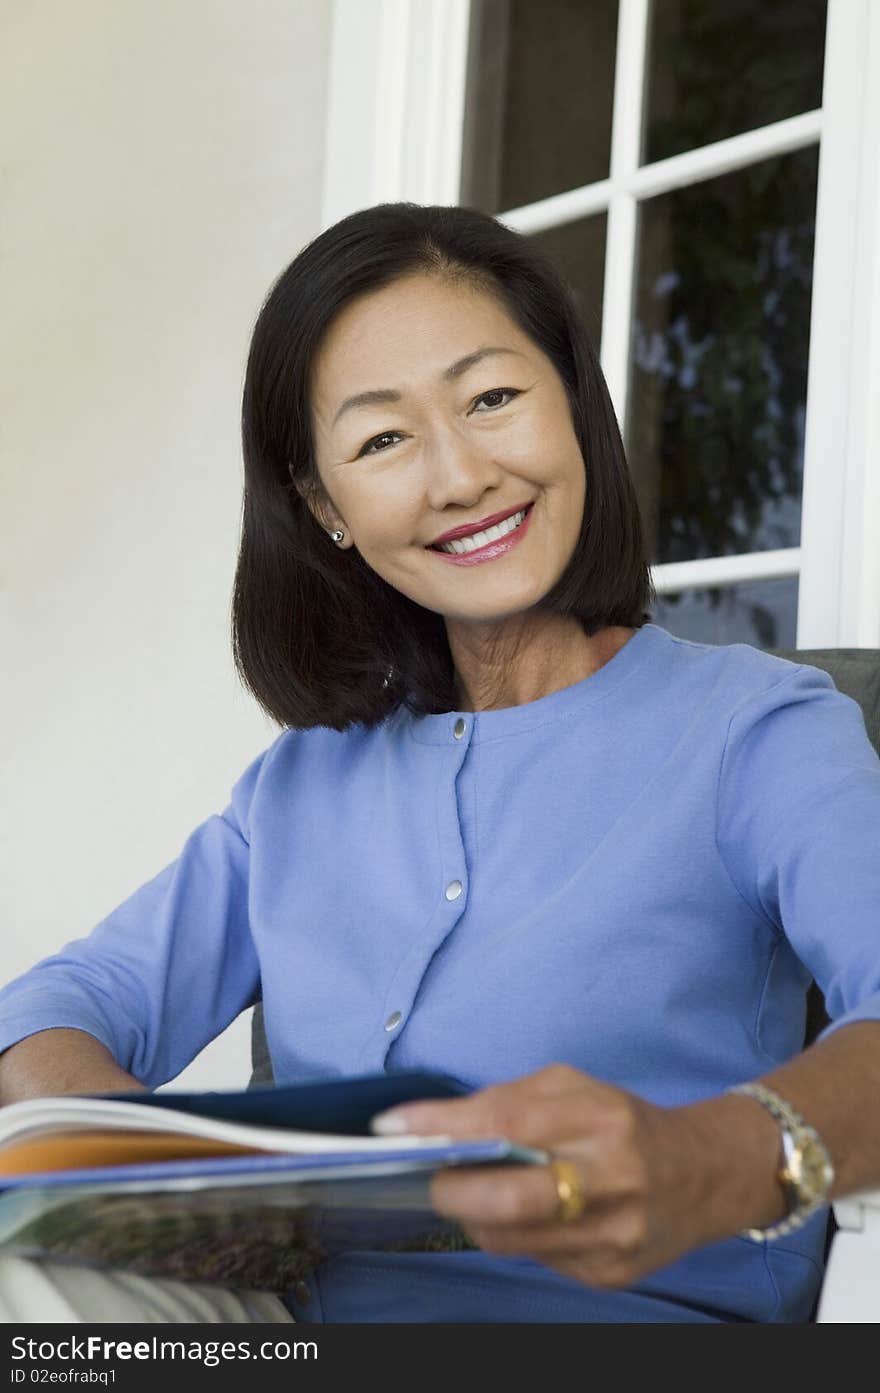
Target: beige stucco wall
(161, 161)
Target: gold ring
(571, 1200)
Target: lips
(456, 533)
(471, 529)
(485, 552)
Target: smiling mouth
(463, 546)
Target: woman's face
(454, 439)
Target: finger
(521, 1110)
(447, 1113)
(505, 1195)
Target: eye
(367, 447)
(499, 392)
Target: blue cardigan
(637, 875)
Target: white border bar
(839, 602)
(725, 570)
(559, 208)
(620, 240)
(721, 157)
(859, 605)
(724, 156)
(436, 69)
(395, 108)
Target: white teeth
(481, 539)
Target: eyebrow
(456, 369)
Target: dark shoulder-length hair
(318, 637)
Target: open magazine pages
(259, 1219)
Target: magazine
(250, 1188)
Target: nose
(459, 472)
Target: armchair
(851, 1287)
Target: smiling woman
(420, 374)
(511, 830)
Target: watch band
(796, 1135)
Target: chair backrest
(854, 671)
(261, 1064)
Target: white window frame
(394, 131)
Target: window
(711, 296)
(704, 173)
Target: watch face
(810, 1170)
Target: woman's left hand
(638, 1168)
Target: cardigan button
(393, 1020)
(460, 728)
(453, 890)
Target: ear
(318, 505)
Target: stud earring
(337, 536)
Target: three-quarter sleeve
(168, 969)
(798, 827)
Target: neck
(496, 669)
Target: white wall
(161, 161)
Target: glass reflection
(718, 370)
(578, 251)
(539, 95)
(716, 68)
(761, 612)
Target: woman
(511, 830)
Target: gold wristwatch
(807, 1173)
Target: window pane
(716, 68)
(538, 104)
(718, 369)
(578, 252)
(762, 613)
